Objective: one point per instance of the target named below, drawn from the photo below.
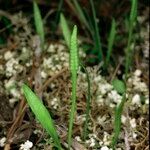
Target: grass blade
(41, 114)
(38, 22)
(117, 123)
(96, 35)
(81, 14)
(110, 42)
(88, 101)
(65, 29)
(133, 15)
(74, 68)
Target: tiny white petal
(137, 72)
(136, 99)
(133, 123)
(2, 141)
(104, 148)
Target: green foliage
(96, 36)
(65, 29)
(119, 86)
(38, 22)
(132, 19)
(117, 122)
(81, 14)
(110, 42)
(93, 29)
(74, 63)
(88, 102)
(67, 35)
(41, 114)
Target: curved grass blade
(65, 29)
(38, 22)
(41, 114)
(74, 68)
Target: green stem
(73, 108)
(87, 103)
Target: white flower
(9, 83)
(104, 88)
(101, 120)
(137, 72)
(114, 96)
(136, 99)
(123, 119)
(134, 135)
(105, 148)
(12, 101)
(106, 140)
(98, 79)
(26, 146)
(2, 141)
(78, 138)
(133, 123)
(54, 103)
(147, 101)
(43, 74)
(51, 48)
(92, 144)
(80, 118)
(8, 55)
(15, 92)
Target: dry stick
(115, 72)
(20, 114)
(37, 59)
(51, 79)
(126, 139)
(14, 126)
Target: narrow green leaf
(117, 122)
(129, 51)
(133, 13)
(81, 14)
(38, 22)
(88, 102)
(119, 86)
(110, 42)
(41, 114)
(96, 36)
(65, 29)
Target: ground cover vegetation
(74, 75)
